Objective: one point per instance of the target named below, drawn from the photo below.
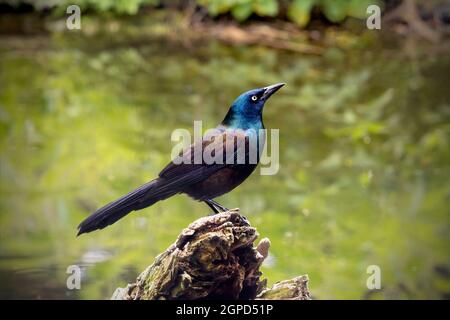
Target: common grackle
(202, 180)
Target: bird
(201, 180)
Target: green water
(364, 155)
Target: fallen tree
(213, 258)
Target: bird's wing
(224, 144)
(173, 179)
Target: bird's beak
(270, 90)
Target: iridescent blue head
(246, 110)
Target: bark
(213, 258)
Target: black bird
(202, 180)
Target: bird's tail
(140, 198)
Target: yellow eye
(254, 98)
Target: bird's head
(246, 110)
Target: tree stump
(213, 258)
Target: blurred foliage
(298, 11)
(102, 6)
(364, 153)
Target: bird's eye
(254, 98)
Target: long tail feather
(142, 197)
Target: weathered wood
(293, 289)
(212, 258)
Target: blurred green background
(364, 154)
(297, 11)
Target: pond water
(364, 161)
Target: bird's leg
(219, 206)
(208, 202)
(216, 207)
